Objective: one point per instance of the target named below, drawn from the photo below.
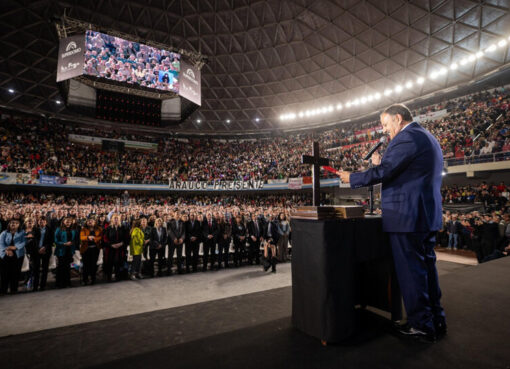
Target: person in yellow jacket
(136, 249)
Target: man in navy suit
(411, 173)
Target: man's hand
(376, 158)
(344, 176)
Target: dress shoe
(441, 330)
(407, 331)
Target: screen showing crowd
(131, 62)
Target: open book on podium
(328, 212)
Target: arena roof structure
(274, 64)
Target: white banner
(295, 183)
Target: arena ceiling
(270, 57)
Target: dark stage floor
(254, 331)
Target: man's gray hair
(399, 109)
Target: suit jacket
(158, 240)
(176, 230)
(194, 229)
(254, 229)
(411, 176)
(213, 230)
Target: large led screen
(120, 60)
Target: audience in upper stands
(475, 125)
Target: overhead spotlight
(377, 96)
(443, 71)
(433, 75)
(388, 92)
(502, 43)
(355, 102)
(324, 110)
(409, 84)
(348, 104)
(363, 100)
(11, 91)
(299, 115)
(282, 117)
(453, 66)
(420, 80)
(463, 61)
(307, 113)
(479, 54)
(257, 119)
(370, 98)
(228, 120)
(330, 108)
(339, 107)
(58, 102)
(471, 58)
(199, 121)
(491, 48)
(398, 88)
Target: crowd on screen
(124, 61)
(476, 124)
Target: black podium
(338, 264)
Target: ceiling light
(398, 88)
(377, 96)
(11, 91)
(324, 110)
(348, 104)
(300, 114)
(339, 107)
(388, 92)
(58, 102)
(463, 61)
(443, 70)
(355, 102)
(330, 108)
(199, 121)
(453, 66)
(502, 43)
(491, 48)
(479, 54)
(409, 84)
(257, 119)
(307, 113)
(433, 75)
(228, 120)
(420, 80)
(471, 58)
(370, 98)
(363, 100)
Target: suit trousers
(253, 251)
(239, 251)
(90, 264)
(11, 270)
(209, 252)
(415, 266)
(160, 253)
(172, 247)
(223, 251)
(39, 264)
(192, 248)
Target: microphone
(374, 148)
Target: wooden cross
(317, 162)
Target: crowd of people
(474, 125)
(486, 230)
(181, 234)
